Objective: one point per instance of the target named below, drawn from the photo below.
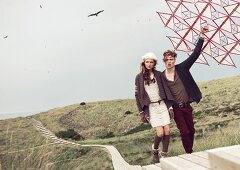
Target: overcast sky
(56, 55)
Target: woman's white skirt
(159, 115)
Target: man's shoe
(164, 154)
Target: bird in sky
(5, 36)
(40, 6)
(95, 14)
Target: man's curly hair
(170, 53)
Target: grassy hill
(117, 123)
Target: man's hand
(147, 117)
(203, 31)
(144, 117)
(171, 113)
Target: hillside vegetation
(117, 123)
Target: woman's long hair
(146, 73)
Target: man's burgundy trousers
(184, 120)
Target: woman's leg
(158, 136)
(157, 140)
(165, 142)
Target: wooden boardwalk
(117, 160)
(225, 158)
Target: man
(184, 90)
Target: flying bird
(95, 14)
(5, 36)
(40, 6)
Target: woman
(153, 99)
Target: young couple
(160, 95)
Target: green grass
(57, 157)
(117, 123)
(23, 147)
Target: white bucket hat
(149, 56)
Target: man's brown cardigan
(142, 98)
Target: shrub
(237, 112)
(104, 133)
(69, 134)
(3, 141)
(82, 103)
(128, 112)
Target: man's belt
(181, 104)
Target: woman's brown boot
(155, 153)
(155, 156)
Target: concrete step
(152, 167)
(195, 158)
(178, 163)
(226, 158)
